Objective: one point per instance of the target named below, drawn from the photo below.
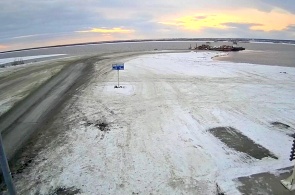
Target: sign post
(118, 78)
(289, 183)
(118, 67)
(5, 169)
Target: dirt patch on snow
(66, 191)
(101, 125)
(280, 125)
(239, 142)
(19, 168)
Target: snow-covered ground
(157, 139)
(8, 60)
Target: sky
(35, 23)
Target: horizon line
(146, 40)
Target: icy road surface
(153, 136)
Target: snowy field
(153, 136)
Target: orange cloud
(107, 30)
(277, 19)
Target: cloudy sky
(32, 23)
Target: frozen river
(256, 53)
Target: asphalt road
(18, 124)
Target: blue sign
(118, 66)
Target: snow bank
(9, 60)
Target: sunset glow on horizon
(276, 20)
(33, 23)
(107, 30)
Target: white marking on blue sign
(118, 66)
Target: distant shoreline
(161, 40)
